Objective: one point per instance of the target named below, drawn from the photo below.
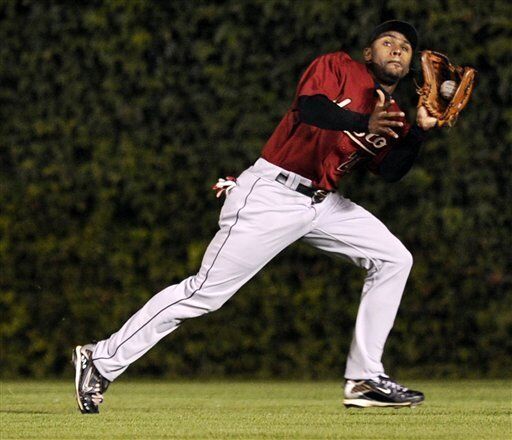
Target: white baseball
(447, 89)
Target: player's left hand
(424, 120)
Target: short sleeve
(324, 76)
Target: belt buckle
(319, 195)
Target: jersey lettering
(350, 163)
(367, 141)
(374, 139)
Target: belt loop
(290, 180)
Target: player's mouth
(395, 63)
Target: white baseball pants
(260, 218)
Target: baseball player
(343, 116)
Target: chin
(385, 76)
(396, 75)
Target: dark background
(118, 116)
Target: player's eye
(405, 48)
(387, 43)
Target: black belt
(317, 195)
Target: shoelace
(96, 387)
(390, 383)
(97, 398)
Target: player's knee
(213, 307)
(404, 258)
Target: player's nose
(396, 51)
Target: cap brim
(407, 29)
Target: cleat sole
(365, 403)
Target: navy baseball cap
(403, 27)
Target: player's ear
(367, 54)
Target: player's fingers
(386, 131)
(391, 123)
(391, 133)
(388, 103)
(391, 115)
(381, 99)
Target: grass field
(253, 410)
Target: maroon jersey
(325, 156)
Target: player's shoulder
(340, 58)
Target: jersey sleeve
(374, 164)
(324, 76)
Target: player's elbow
(392, 168)
(392, 175)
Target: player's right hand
(381, 120)
(424, 120)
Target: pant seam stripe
(195, 291)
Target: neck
(388, 88)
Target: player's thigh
(258, 220)
(350, 231)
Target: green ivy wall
(118, 116)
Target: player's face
(389, 57)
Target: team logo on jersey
(369, 142)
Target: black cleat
(380, 392)
(89, 383)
